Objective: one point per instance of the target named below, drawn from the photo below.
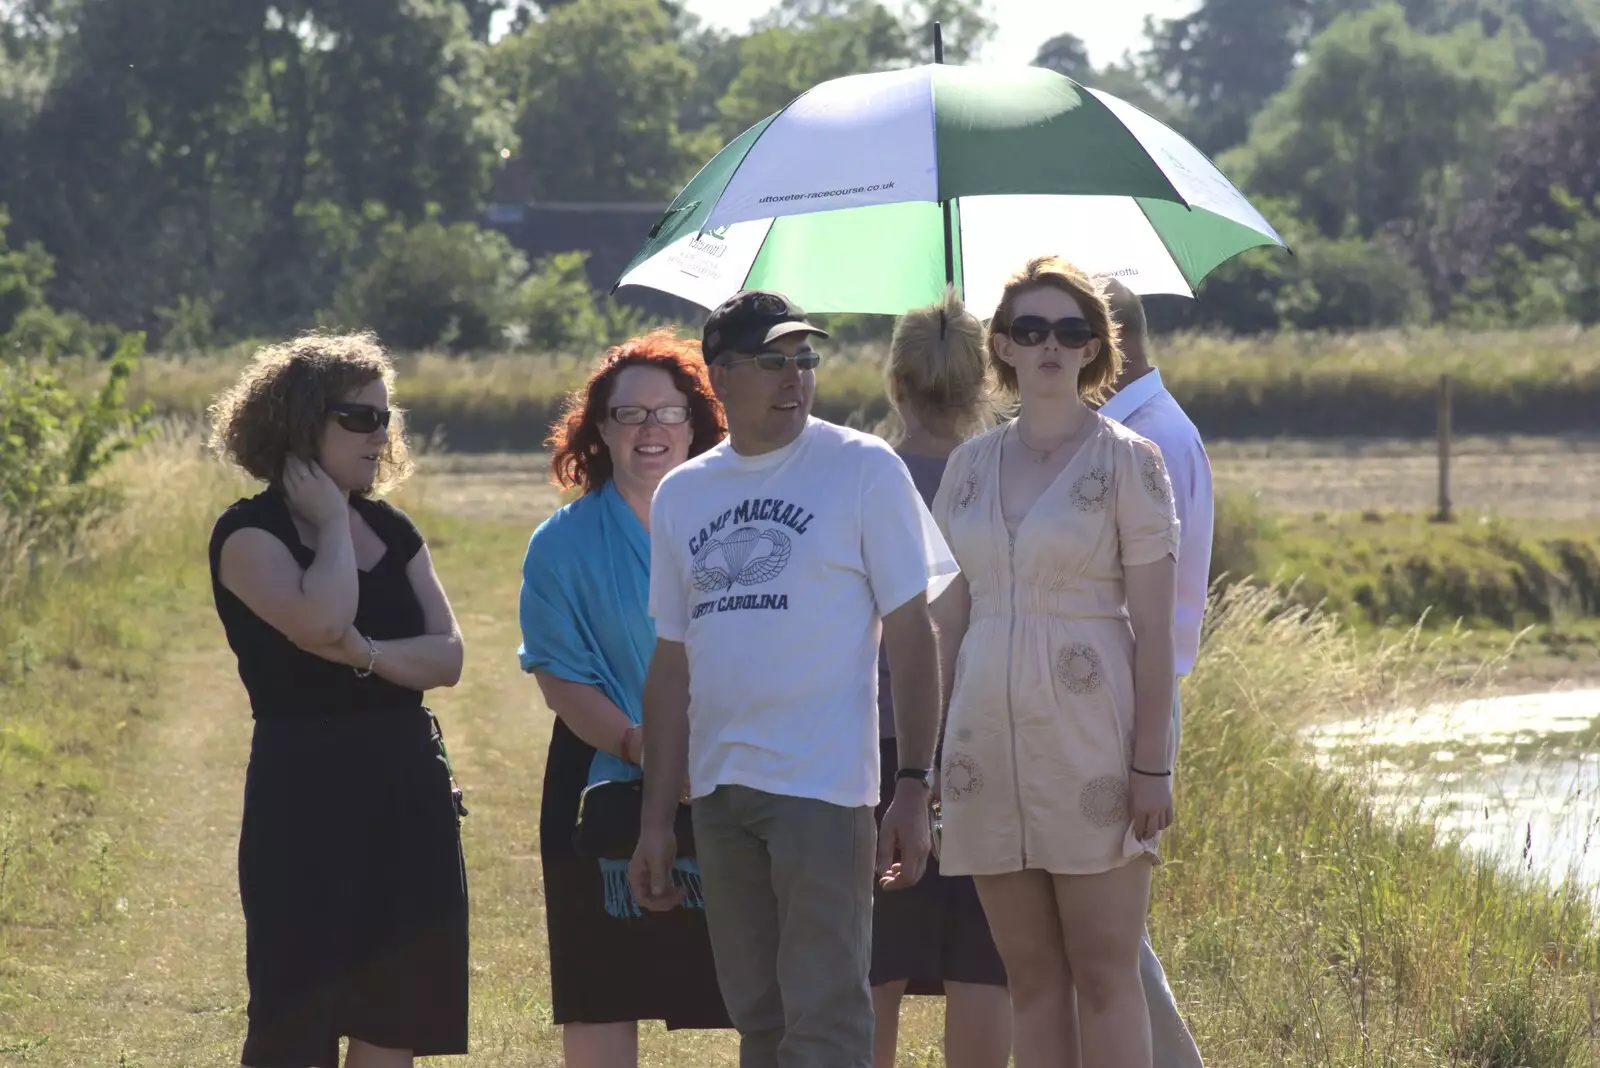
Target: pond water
(1517, 777)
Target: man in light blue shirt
(1143, 405)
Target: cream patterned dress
(1040, 732)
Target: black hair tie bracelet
(1152, 774)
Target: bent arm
(589, 714)
(666, 709)
(312, 607)
(913, 654)
(1149, 589)
(432, 659)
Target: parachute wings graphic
(742, 564)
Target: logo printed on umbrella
(823, 194)
(714, 249)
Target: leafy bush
(55, 436)
(554, 309)
(53, 442)
(433, 284)
(1343, 285)
(464, 288)
(27, 322)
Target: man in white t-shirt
(778, 559)
(1143, 405)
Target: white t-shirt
(775, 571)
(1145, 407)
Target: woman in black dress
(587, 639)
(350, 865)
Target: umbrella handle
(944, 205)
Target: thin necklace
(1041, 457)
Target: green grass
(1375, 384)
(1386, 567)
(1473, 584)
(81, 642)
(1298, 927)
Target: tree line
(205, 170)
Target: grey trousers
(1171, 1043)
(788, 888)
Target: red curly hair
(579, 457)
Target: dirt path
(161, 983)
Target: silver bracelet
(372, 659)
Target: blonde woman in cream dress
(1056, 780)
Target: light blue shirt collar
(1133, 396)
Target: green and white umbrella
(866, 193)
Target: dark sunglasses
(360, 418)
(805, 360)
(1031, 330)
(634, 414)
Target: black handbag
(609, 817)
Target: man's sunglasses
(360, 418)
(635, 415)
(772, 360)
(1031, 330)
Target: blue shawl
(585, 617)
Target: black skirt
(610, 969)
(605, 968)
(354, 890)
(933, 932)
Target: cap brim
(785, 329)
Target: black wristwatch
(922, 775)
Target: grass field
(1299, 386)
(1296, 927)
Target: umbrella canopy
(841, 200)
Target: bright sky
(1108, 27)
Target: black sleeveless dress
(351, 872)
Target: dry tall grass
(1309, 930)
(1377, 383)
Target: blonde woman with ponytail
(932, 938)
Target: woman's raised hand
(312, 493)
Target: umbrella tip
(938, 43)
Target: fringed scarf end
(620, 901)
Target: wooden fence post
(1444, 514)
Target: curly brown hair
(579, 457)
(278, 408)
(1053, 272)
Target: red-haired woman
(587, 638)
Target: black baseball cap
(750, 320)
